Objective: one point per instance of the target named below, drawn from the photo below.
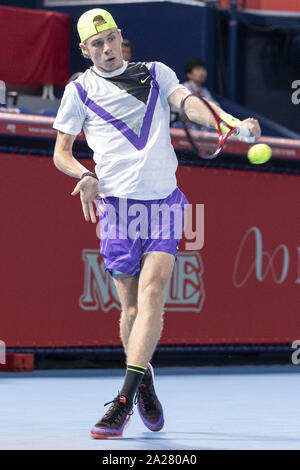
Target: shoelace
(115, 413)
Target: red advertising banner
(243, 286)
(36, 45)
(273, 5)
(264, 5)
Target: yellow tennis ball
(259, 153)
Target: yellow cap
(94, 21)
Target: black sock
(147, 377)
(133, 378)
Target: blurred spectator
(127, 50)
(196, 73)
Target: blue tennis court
(249, 407)
(156, 145)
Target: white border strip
(271, 12)
(57, 3)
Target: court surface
(205, 408)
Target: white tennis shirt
(125, 117)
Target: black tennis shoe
(148, 405)
(115, 419)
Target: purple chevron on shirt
(138, 141)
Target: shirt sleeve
(71, 113)
(167, 79)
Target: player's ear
(120, 34)
(84, 50)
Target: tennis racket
(205, 143)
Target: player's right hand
(253, 126)
(89, 194)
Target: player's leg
(155, 273)
(148, 404)
(147, 327)
(120, 254)
(127, 289)
(161, 264)
(113, 422)
(160, 251)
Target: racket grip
(244, 132)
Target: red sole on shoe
(104, 436)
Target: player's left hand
(253, 126)
(89, 194)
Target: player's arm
(88, 186)
(63, 158)
(197, 111)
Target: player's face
(104, 49)
(198, 75)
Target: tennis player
(123, 109)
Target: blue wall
(166, 32)
(271, 64)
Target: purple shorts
(129, 228)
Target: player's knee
(130, 312)
(154, 291)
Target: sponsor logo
(185, 291)
(186, 288)
(253, 260)
(143, 80)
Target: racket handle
(244, 132)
